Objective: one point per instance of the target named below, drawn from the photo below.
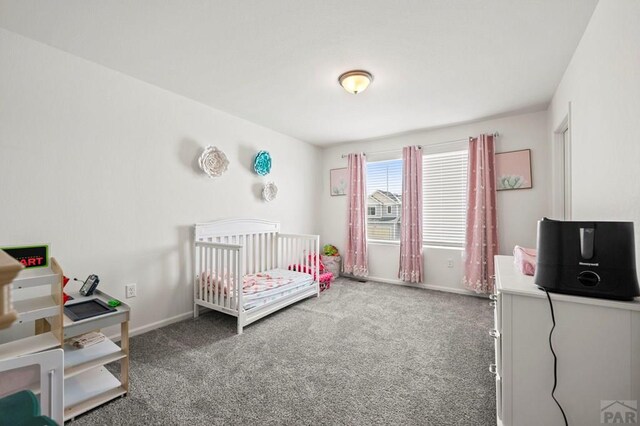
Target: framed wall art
(513, 170)
(338, 181)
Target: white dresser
(597, 342)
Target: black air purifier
(595, 259)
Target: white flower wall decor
(213, 162)
(269, 192)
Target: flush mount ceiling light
(355, 81)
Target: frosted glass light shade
(356, 81)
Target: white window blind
(384, 199)
(444, 187)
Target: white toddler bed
(242, 268)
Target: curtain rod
(494, 134)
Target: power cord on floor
(555, 360)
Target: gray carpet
(361, 354)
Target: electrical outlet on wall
(449, 263)
(130, 290)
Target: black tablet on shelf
(87, 309)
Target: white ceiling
(276, 63)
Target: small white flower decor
(213, 161)
(269, 192)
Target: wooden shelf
(35, 277)
(36, 308)
(89, 390)
(29, 345)
(71, 412)
(77, 361)
(87, 383)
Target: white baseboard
(427, 286)
(154, 325)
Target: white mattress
(300, 282)
(253, 297)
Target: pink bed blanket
(525, 259)
(255, 283)
(251, 283)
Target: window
(444, 187)
(384, 190)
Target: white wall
(104, 168)
(519, 210)
(602, 83)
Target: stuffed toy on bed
(325, 277)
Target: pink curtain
(481, 242)
(355, 257)
(411, 261)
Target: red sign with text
(30, 256)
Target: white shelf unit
(88, 390)
(36, 308)
(29, 345)
(41, 307)
(35, 277)
(88, 384)
(77, 361)
(45, 311)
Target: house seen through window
(384, 199)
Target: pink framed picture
(338, 182)
(513, 170)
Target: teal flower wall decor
(262, 163)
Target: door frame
(562, 168)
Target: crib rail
(258, 249)
(218, 276)
(300, 251)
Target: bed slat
(201, 270)
(217, 269)
(231, 287)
